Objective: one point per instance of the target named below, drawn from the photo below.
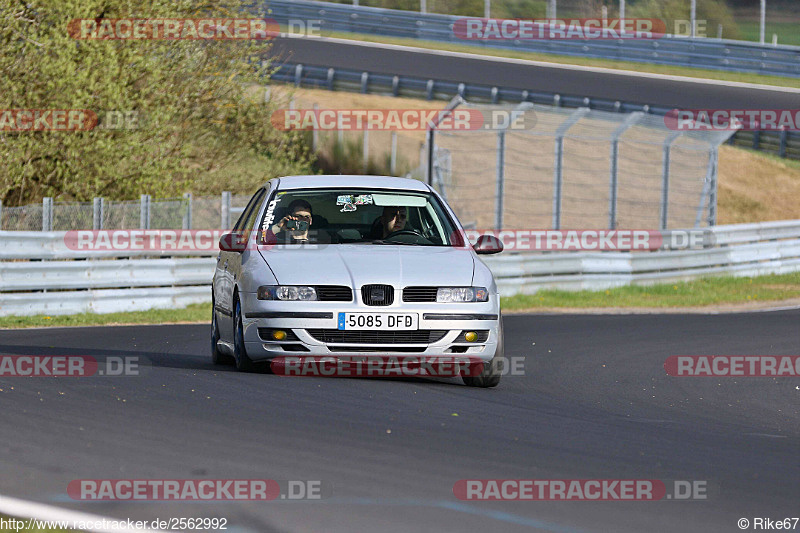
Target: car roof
(339, 180)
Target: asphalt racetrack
(541, 77)
(594, 403)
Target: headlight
(286, 292)
(462, 294)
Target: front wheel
(492, 370)
(243, 363)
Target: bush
(197, 119)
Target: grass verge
(699, 293)
(580, 61)
(192, 313)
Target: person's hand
(282, 224)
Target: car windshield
(356, 216)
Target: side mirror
(488, 244)
(235, 241)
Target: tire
(490, 376)
(217, 357)
(243, 363)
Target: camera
(298, 225)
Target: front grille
(380, 349)
(377, 294)
(419, 294)
(334, 293)
(420, 336)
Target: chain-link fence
(551, 167)
(218, 212)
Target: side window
(246, 219)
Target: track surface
(594, 403)
(555, 79)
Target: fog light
(278, 335)
(470, 336)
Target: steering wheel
(412, 232)
(418, 238)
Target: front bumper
(312, 329)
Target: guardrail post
(494, 95)
(396, 86)
(98, 212)
(331, 74)
(500, 184)
(47, 214)
(225, 210)
(559, 161)
(784, 139)
(298, 74)
(187, 214)
(429, 90)
(364, 82)
(393, 155)
(144, 211)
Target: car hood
(355, 265)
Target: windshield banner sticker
(349, 202)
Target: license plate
(385, 321)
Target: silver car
(354, 265)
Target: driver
(393, 219)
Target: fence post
(613, 184)
(187, 214)
(366, 149)
(225, 210)
(47, 214)
(144, 211)
(1, 214)
(498, 203)
(393, 156)
(559, 160)
(97, 213)
(712, 197)
(315, 131)
(665, 177)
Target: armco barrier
(717, 54)
(105, 282)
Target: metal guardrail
(717, 54)
(784, 144)
(51, 284)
